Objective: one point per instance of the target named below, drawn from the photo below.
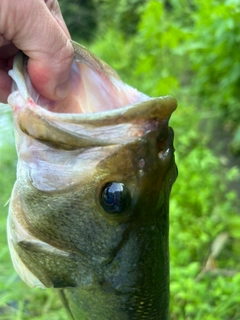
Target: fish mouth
(97, 99)
(94, 86)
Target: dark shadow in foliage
(80, 17)
(123, 15)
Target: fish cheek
(69, 218)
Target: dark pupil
(115, 197)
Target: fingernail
(62, 89)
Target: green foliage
(235, 143)
(202, 207)
(80, 17)
(213, 50)
(212, 298)
(122, 16)
(149, 53)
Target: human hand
(37, 28)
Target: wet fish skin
(106, 266)
(135, 283)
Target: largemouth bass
(89, 210)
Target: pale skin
(37, 28)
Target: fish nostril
(115, 198)
(162, 141)
(163, 154)
(141, 163)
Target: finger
(36, 32)
(55, 10)
(3, 41)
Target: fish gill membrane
(89, 210)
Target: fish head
(90, 204)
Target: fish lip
(73, 131)
(147, 107)
(154, 108)
(45, 124)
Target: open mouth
(98, 102)
(94, 86)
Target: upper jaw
(100, 109)
(94, 88)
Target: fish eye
(115, 197)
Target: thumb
(49, 72)
(40, 32)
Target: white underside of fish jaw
(90, 91)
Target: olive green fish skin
(135, 283)
(106, 266)
(117, 266)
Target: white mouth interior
(91, 90)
